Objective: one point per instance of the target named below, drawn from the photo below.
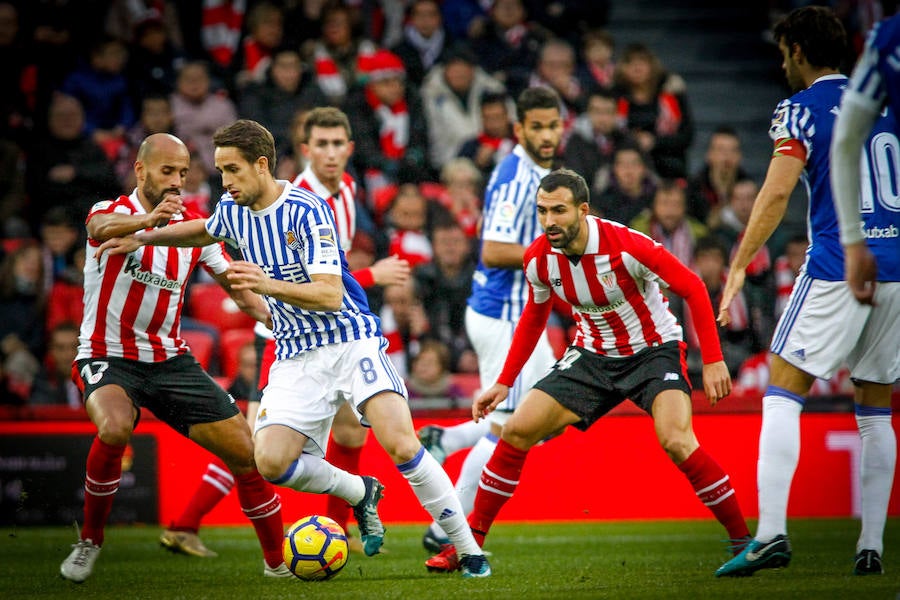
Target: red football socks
(103, 473)
(713, 487)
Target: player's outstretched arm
(716, 381)
(105, 226)
(488, 400)
(325, 292)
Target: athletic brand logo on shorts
(261, 416)
(671, 376)
(801, 354)
(290, 238)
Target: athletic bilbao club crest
(607, 280)
(290, 238)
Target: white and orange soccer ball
(315, 548)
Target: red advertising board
(614, 471)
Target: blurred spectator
(60, 239)
(568, 19)
(424, 41)
(336, 55)
(495, 140)
(153, 61)
(291, 162)
(389, 126)
(555, 69)
(17, 94)
(509, 45)
(220, 24)
(594, 138)
(65, 302)
(668, 223)
(197, 194)
(451, 97)
(597, 67)
(303, 19)
(758, 286)
(53, 383)
(787, 269)
(403, 323)
(10, 394)
(12, 190)
(101, 87)
(710, 188)
(737, 338)
(461, 194)
(22, 303)
(465, 18)
(244, 382)
(265, 31)
(155, 117)
(443, 285)
(653, 105)
(276, 100)
(430, 383)
(734, 214)
(66, 167)
(630, 189)
(198, 112)
(125, 18)
(407, 218)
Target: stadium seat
(230, 346)
(202, 344)
(209, 303)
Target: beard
(567, 235)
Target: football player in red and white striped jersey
(131, 354)
(628, 345)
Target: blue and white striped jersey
(292, 240)
(808, 116)
(874, 85)
(510, 216)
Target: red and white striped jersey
(614, 288)
(133, 302)
(343, 206)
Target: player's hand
(862, 270)
(390, 271)
(733, 285)
(488, 400)
(244, 275)
(163, 212)
(716, 381)
(119, 245)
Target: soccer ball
(315, 548)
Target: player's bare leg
(672, 421)
(230, 440)
(344, 449)
(388, 413)
(112, 412)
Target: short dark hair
(326, 116)
(818, 32)
(536, 98)
(570, 180)
(250, 138)
(711, 243)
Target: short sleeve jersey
(613, 288)
(343, 204)
(292, 239)
(875, 85)
(510, 216)
(133, 302)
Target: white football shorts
(820, 327)
(305, 391)
(491, 338)
(876, 358)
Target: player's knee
(518, 437)
(677, 445)
(402, 449)
(115, 429)
(271, 465)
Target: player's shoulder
(120, 204)
(885, 36)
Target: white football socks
(464, 435)
(470, 475)
(879, 457)
(316, 475)
(779, 451)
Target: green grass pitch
(661, 559)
